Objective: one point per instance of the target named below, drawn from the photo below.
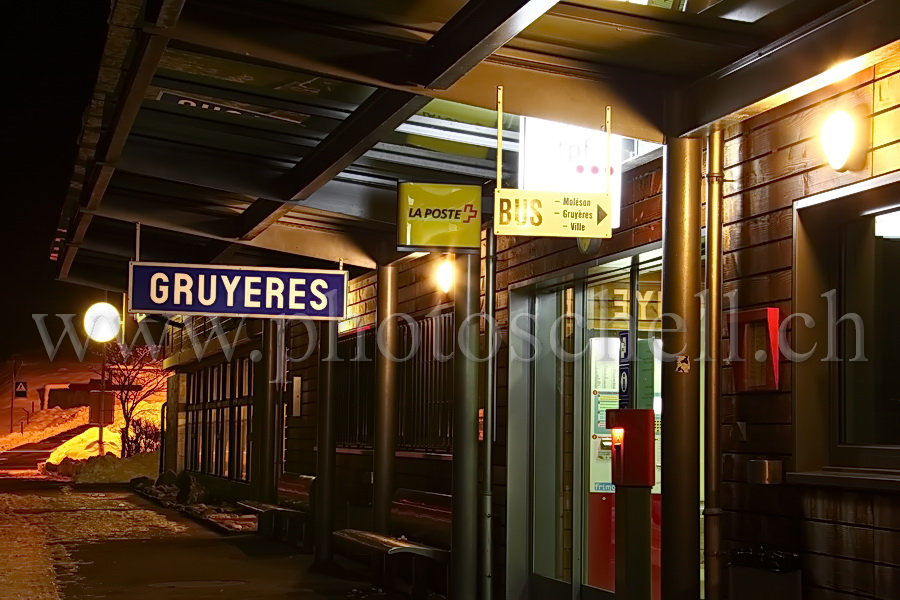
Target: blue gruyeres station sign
(218, 291)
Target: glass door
(553, 446)
(623, 298)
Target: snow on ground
(109, 469)
(86, 445)
(45, 424)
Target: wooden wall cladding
(772, 161)
(361, 294)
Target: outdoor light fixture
(844, 141)
(445, 275)
(101, 322)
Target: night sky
(52, 56)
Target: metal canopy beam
(379, 115)
(677, 26)
(763, 79)
(534, 86)
(150, 47)
(427, 126)
(469, 37)
(239, 175)
(357, 248)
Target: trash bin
(755, 573)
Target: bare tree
(135, 374)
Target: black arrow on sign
(601, 214)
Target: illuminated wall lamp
(845, 139)
(445, 275)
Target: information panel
(220, 291)
(553, 214)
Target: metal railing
(425, 387)
(355, 390)
(425, 402)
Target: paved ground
(28, 456)
(59, 543)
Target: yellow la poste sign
(438, 217)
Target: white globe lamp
(101, 322)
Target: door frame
(521, 581)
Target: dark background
(51, 59)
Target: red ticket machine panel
(633, 458)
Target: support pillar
(712, 510)
(325, 455)
(464, 507)
(681, 371)
(385, 445)
(267, 395)
(174, 440)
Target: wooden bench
(419, 528)
(291, 518)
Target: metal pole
(633, 515)
(499, 182)
(633, 562)
(12, 396)
(385, 446)
(490, 395)
(325, 456)
(712, 511)
(680, 372)
(464, 507)
(265, 414)
(137, 242)
(102, 398)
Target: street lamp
(102, 323)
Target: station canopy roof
(274, 132)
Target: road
(28, 456)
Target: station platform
(110, 543)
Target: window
(869, 403)
(843, 334)
(218, 419)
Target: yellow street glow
(445, 275)
(839, 139)
(101, 322)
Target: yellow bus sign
(438, 217)
(552, 214)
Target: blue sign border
(218, 268)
